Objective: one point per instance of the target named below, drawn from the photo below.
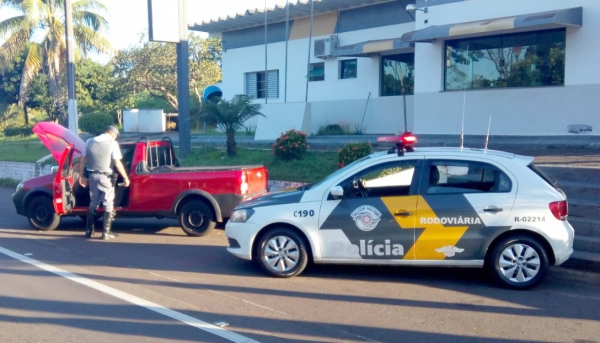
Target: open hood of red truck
(56, 138)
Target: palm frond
(89, 40)
(85, 5)
(90, 19)
(14, 44)
(11, 25)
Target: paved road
(155, 284)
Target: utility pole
(71, 100)
(183, 83)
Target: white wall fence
(22, 170)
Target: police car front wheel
(519, 262)
(281, 253)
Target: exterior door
(463, 202)
(375, 218)
(63, 197)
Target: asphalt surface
(153, 283)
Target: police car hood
(56, 138)
(277, 198)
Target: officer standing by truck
(101, 153)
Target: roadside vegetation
(21, 149)
(313, 167)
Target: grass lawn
(28, 149)
(312, 168)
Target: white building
(527, 66)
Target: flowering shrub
(290, 145)
(352, 152)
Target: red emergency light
(403, 142)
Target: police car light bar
(403, 142)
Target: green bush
(95, 123)
(23, 131)
(352, 152)
(291, 145)
(333, 129)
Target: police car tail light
(244, 184)
(559, 209)
(403, 142)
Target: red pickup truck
(198, 196)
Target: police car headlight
(241, 216)
(19, 186)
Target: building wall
(516, 111)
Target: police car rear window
(542, 175)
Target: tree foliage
(39, 33)
(152, 67)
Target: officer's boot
(90, 222)
(108, 218)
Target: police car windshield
(341, 170)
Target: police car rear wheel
(519, 262)
(281, 253)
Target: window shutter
(273, 84)
(251, 85)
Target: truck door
(375, 217)
(63, 197)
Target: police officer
(100, 153)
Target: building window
(317, 72)
(397, 74)
(260, 86)
(348, 69)
(527, 59)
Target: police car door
(374, 219)
(463, 203)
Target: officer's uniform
(100, 152)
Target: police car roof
(471, 152)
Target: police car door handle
(403, 214)
(492, 209)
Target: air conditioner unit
(324, 47)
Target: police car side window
(386, 179)
(466, 177)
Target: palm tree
(230, 116)
(39, 32)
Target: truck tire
(41, 215)
(281, 253)
(197, 218)
(518, 262)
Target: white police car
(423, 207)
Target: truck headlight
(19, 186)
(241, 216)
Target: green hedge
(95, 123)
(352, 152)
(290, 145)
(24, 131)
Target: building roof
(277, 13)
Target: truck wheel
(518, 262)
(41, 215)
(281, 253)
(197, 218)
